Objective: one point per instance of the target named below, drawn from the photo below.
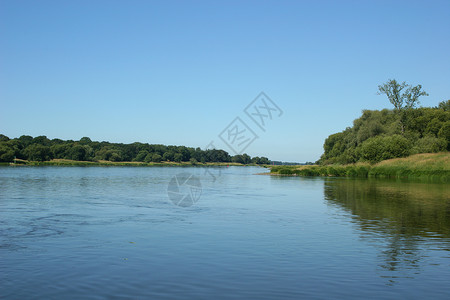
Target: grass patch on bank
(423, 166)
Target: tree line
(391, 133)
(41, 148)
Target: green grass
(430, 166)
(426, 165)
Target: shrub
(156, 157)
(429, 144)
(379, 148)
(285, 171)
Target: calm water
(112, 232)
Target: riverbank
(430, 166)
(67, 162)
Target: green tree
(444, 133)
(444, 105)
(242, 159)
(36, 152)
(3, 138)
(25, 140)
(413, 93)
(6, 153)
(156, 157)
(185, 153)
(107, 152)
(85, 141)
(260, 160)
(409, 98)
(85, 149)
(42, 140)
(169, 155)
(60, 150)
(264, 160)
(115, 156)
(78, 152)
(237, 159)
(434, 126)
(148, 157)
(141, 155)
(178, 157)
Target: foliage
(42, 149)
(242, 159)
(428, 166)
(383, 147)
(6, 154)
(38, 152)
(430, 144)
(379, 135)
(444, 105)
(408, 99)
(260, 160)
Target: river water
(128, 232)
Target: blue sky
(178, 72)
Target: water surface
(112, 232)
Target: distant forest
(42, 148)
(400, 132)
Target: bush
(379, 148)
(311, 171)
(429, 144)
(156, 157)
(286, 171)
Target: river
(219, 233)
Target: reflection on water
(407, 217)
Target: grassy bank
(67, 162)
(423, 166)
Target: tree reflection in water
(404, 219)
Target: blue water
(113, 232)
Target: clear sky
(178, 72)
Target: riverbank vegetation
(37, 150)
(400, 132)
(432, 166)
(403, 142)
